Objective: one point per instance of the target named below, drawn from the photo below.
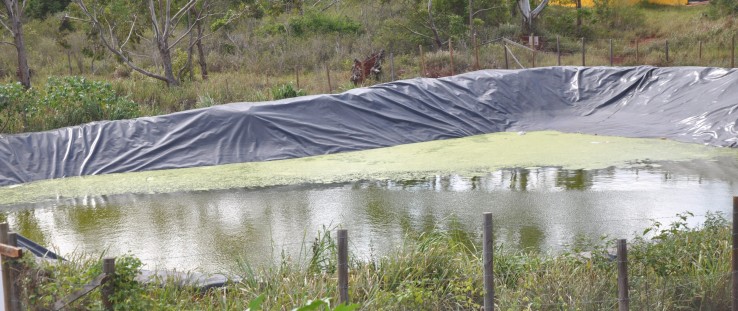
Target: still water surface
(538, 208)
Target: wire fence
(647, 289)
(519, 53)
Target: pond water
(540, 208)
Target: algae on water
(466, 156)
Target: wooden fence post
(735, 255)
(451, 53)
(583, 53)
(623, 300)
(343, 266)
(297, 76)
(328, 73)
(15, 302)
(6, 267)
(392, 66)
(108, 288)
(476, 52)
(488, 257)
(610, 52)
(732, 52)
(504, 49)
(422, 61)
(532, 42)
(637, 42)
(667, 51)
(558, 52)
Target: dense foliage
(62, 102)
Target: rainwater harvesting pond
(546, 190)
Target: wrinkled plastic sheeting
(689, 104)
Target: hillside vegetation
(256, 50)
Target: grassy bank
(248, 63)
(675, 268)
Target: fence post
(6, 267)
(623, 300)
(489, 274)
(451, 53)
(343, 266)
(610, 52)
(504, 49)
(700, 54)
(732, 52)
(422, 61)
(108, 288)
(735, 255)
(476, 52)
(15, 302)
(667, 51)
(637, 42)
(558, 52)
(532, 42)
(583, 52)
(297, 76)
(392, 66)
(328, 73)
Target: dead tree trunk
(14, 18)
(437, 38)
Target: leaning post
(108, 288)
(5, 266)
(623, 299)
(343, 296)
(734, 265)
(489, 275)
(583, 52)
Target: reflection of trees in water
(574, 179)
(26, 224)
(519, 179)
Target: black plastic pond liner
(689, 104)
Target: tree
(438, 20)
(118, 23)
(12, 21)
(530, 15)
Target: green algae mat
(465, 156)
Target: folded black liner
(688, 104)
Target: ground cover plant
(671, 267)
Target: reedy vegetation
(671, 268)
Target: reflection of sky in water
(542, 209)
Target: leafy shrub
(14, 102)
(283, 91)
(63, 102)
(76, 100)
(322, 23)
(720, 8)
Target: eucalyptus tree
(11, 21)
(529, 15)
(119, 24)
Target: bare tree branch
(415, 32)
(486, 9)
(154, 20)
(182, 36)
(130, 32)
(8, 43)
(117, 51)
(6, 27)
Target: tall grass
(671, 268)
